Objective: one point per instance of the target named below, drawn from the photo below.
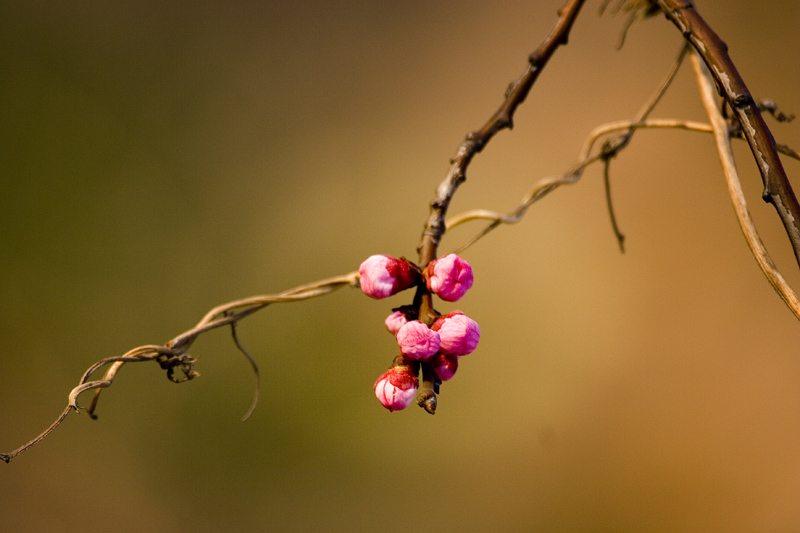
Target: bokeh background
(159, 158)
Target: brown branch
(172, 355)
(748, 227)
(614, 146)
(731, 86)
(476, 140)
(586, 158)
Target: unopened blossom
(417, 341)
(382, 276)
(445, 365)
(449, 277)
(458, 333)
(396, 388)
(395, 321)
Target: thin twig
(722, 137)
(614, 226)
(256, 372)
(8, 456)
(634, 9)
(611, 149)
(777, 189)
(547, 185)
(614, 146)
(617, 144)
(172, 355)
(475, 141)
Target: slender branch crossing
(731, 86)
(476, 140)
(748, 227)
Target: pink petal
(417, 341)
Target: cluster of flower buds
(429, 345)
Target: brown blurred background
(159, 158)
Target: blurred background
(159, 158)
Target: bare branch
(172, 355)
(8, 456)
(614, 226)
(475, 141)
(615, 145)
(636, 9)
(612, 147)
(730, 84)
(547, 185)
(722, 137)
(610, 150)
(256, 372)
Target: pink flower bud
(395, 321)
(396, 388)
(458, 333)
(417, 341)
(449, 277)
(382, 276)
(445, 365)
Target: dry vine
(730, 84)
(722, 136)
(172, 356)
